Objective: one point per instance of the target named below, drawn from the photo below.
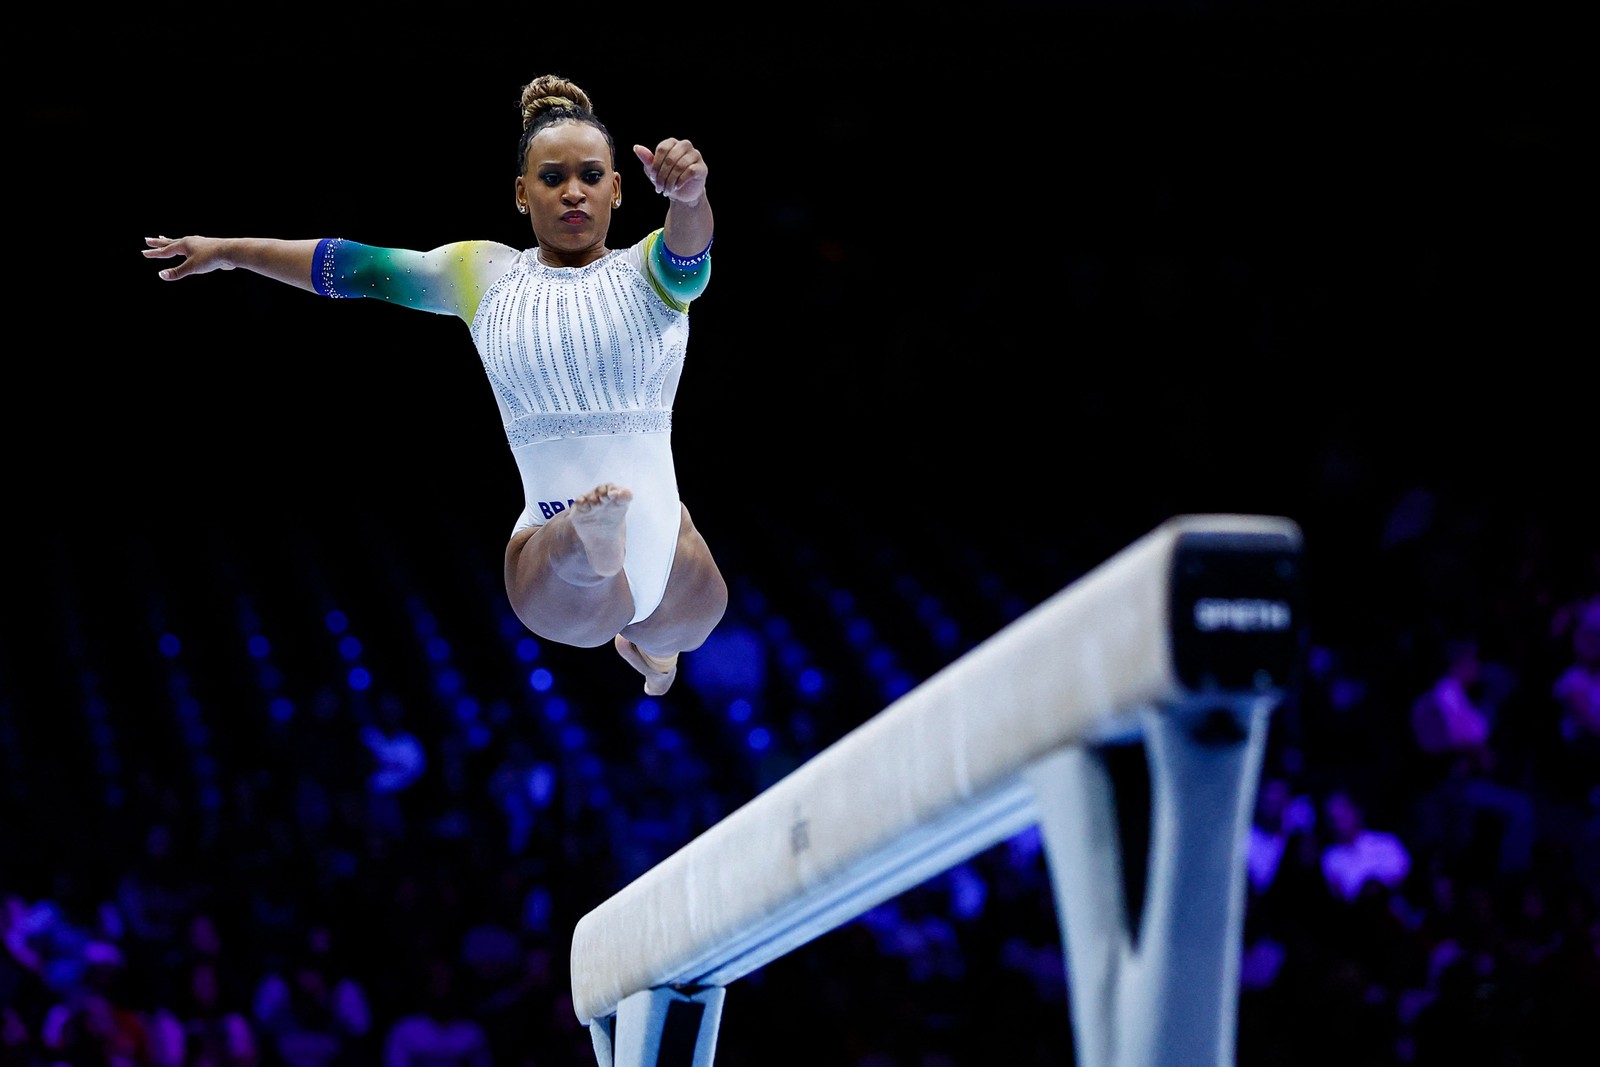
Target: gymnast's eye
(593, 177)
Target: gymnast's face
(568, 188)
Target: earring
(617, 202)
(522, 208)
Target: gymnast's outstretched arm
(285, 261)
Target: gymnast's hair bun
(550, 92)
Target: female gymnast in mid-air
(583, 346)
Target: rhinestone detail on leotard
(548, 425)
(576, 352)
(323, 275)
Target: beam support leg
(1157, 989)
(660, 1028)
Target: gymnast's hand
(201, 255)
(676, 170)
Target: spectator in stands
(16, 1041)
(95, 1025)
(1577, 694)
(215, 1032)
(398, 761)
(309, 1013)
(438, 1032)
(1467, 807)
(1355, 854)
(1281, 819)
(56, 941)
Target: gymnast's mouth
(575, 216)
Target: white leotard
(584, 363)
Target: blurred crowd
(374, 883)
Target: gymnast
(583, 346)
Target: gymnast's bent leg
(693, 604)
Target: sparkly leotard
(584, 363)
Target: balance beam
(1183, 642)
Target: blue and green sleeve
(449, 280)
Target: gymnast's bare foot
(599, 518)
(658, 671)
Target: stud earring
(617, 202)
(522, 208)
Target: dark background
(1117, 259)
(1113, 260)
(1025, 277)
(1044, 274)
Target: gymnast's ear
(522, 203)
